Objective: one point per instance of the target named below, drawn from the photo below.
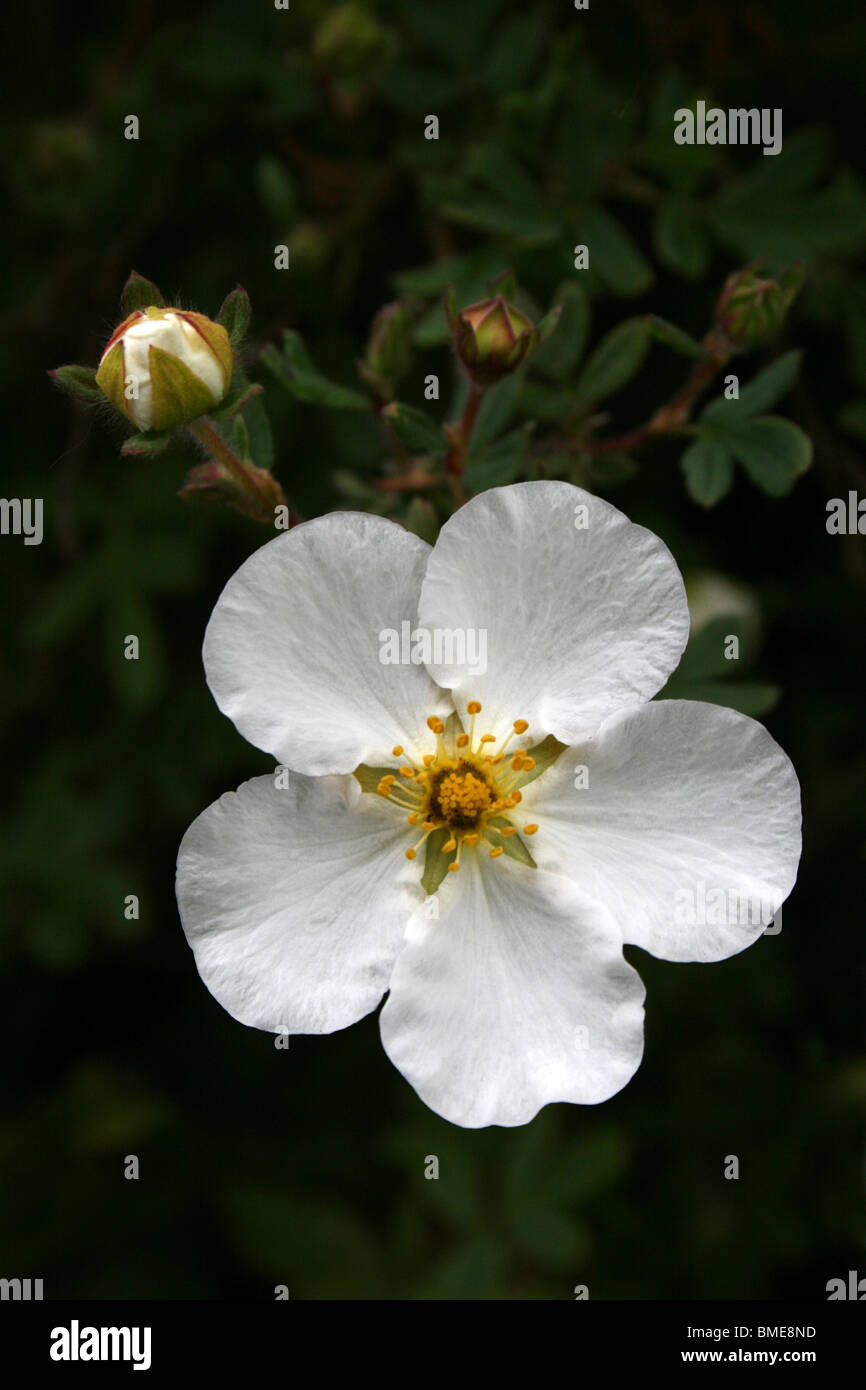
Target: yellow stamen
(530, 829)
(520, 726)
(495, 852)
(408, 772)
(449, 846)
(397, 750)
(435, 724)
(472, 839)
(414, 818)
(462, 740)
(452, 868)
(473, 707)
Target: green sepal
(435, 862)
(545, 754)
(235, 401)
(148, 442)
(178, 394)
(78, 382)
(512, 845)
(235, 314)
(370, 777)
(139, 293)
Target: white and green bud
(165, 367)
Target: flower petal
(581, 620)
(518, 995)
(688, 829)
(294, 902)
(292, 650)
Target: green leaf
(308, 385)
(615, 361)
(497, 408)
(613, 254)
(435, 862)
(261, 440)
(241, 438)
(852, 419)
(295, 351)
(139, 293)
(422, 521)
(610, 470)
(415, 429)
(679, 238)
(78, 382)
(503, 219)
(235, 313)
(277, 190)
(149, 443)
(709, 471)
(762, 392)
(773, 451)
(560, 354)
(498, 463)
(675, 338)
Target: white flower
(674, 825)
(163, 367)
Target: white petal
(579, 622)
(518, 995)
(292, 650)
(294, 901)
(689, 829)
(174, 335)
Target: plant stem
(263, 494)
(677, 411)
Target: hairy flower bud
(492, 338)
(752, 308)
(164, 367)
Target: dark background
(305, 1167)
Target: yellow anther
(414, 818)
(530, 829)
(514, 797)
(384, 789)
(428, 825)
(462, 740)
(429, 759)
(488, 738)
(435, 724)
(407, 772)
(495, 853)
(449, 846)
(473, 707)
(453, 868)
(397, 750)
(411, 854)
(528, 764)
(509, 830)
(472, 839)
(518, 760)
(520, 726)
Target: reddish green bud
(752, 308)
(493, 337)
(165, 367)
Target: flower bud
(164, 367)
(752, 308)
(492, 338)
(389, 353)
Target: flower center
(464, 791)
